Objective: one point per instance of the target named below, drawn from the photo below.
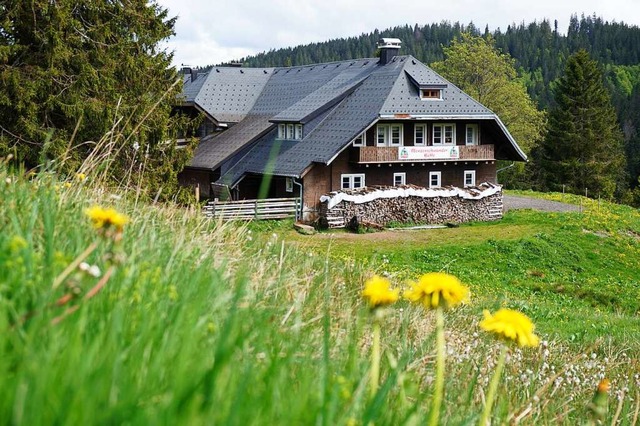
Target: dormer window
(290, 131)
(434, 94)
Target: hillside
(175, 319)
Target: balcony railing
(373, 154)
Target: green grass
(221, 323)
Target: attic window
(290, 131)
(431, 94)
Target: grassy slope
(211, 323)
(577, 275)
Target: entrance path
(511, 202)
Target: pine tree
(72, 71)
(583, 147)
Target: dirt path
(511, 202)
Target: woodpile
(413, 209)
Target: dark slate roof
(330, 93)
(346, 121)
(336, 102)
(190, 89)
(213, 150)
(285, 88)
(254, 161)
(405, 96)
(228, 93)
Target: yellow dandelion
(510, 325)
(81, 177)
(437, 289)
(106, 218)
(377, 292)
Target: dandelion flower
(510, 325)
(81, 177)
(106, 218)
(437, 289)
(378, 292)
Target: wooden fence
(269, 208)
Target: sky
(215, 31)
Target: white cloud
(213, 32)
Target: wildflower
(510, 324)
(106, 218)
(81, 177)
(378, 292)
(437, 289)
(598, 406)
(92, 270)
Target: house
(343, 125)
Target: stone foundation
(412, 204)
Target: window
(290, 131)
(435, 179)
(431, 94)
(352, 181)
(469, 178)
(399, 179)
(471, 135)
(396, 135)
(381, 135)
(444, 134)
(389, 135)
(289, 184)
(360, 140)
(419, 134)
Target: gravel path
(518, 202)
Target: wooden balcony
(373, 154)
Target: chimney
(389, 47)
(187, 70)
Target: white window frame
(360, 140)
(396, 141)
(423, 127)
(298, 132)
(474, 134)
(472, 174)
(288, 184)
(290, 130)
(438, 176)
(442, 127)
(401, 176)
(282, 131)
(351, 178)
(386, 131)
(382, 130)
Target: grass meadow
(182, 320)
